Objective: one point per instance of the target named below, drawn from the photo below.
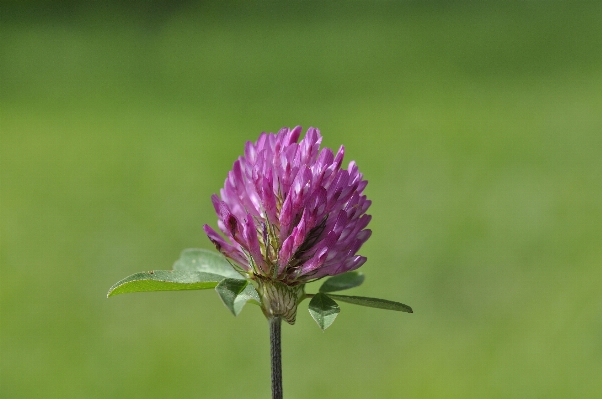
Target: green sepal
(165, 280)
(202, 260)
(323, 310)
(235, 293)
(373, 302)
(343, 282)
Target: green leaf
(235, 293)
(202, 260)
(342, 282)
(373, 303)
(323, 310)
(165, 280)
(249, 294)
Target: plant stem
(276, 355)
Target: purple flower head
(289, 212)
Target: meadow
(478, 126)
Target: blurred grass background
(478, 125)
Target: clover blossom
(291, 215)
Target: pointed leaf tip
(323, 310)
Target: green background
(478, 125)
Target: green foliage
(197, 269)
(165, 280)
(323, 310)
(202, 260)
(373, 303)
(249, 294)
(235, 293)
(343, 282)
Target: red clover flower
(291, 215)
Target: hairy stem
(276, 355)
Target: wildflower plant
(288, 214)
